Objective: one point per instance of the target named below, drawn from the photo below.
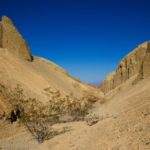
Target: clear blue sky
(87, 38)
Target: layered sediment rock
(108, 83)
(11, 39)
(145, 68)
(0, 35)
(136, 63)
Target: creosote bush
(66, 104)
(34, 115)
(39, 118)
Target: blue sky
(87, 38)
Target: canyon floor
(124, 124)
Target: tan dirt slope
(36, 74)
(33, 75)
(124, 124)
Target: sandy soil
(125, 125)
(125, 114)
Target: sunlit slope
(38, 75)
(124, 124)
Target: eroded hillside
(44, 92)
(135, 64)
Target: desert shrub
(90, 97)
(34, 115)
(42, 130)
(39, 118)
(76, 85)
(60, 104)
(92, 119)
